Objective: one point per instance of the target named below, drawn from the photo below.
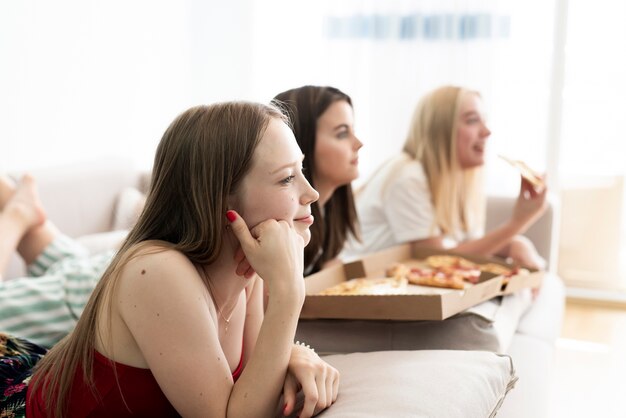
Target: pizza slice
(528, 173)
(497, 269)
(397, 271)
(369, 286)
(436, 278)
(455, 265)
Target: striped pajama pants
(44, 307)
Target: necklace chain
(219, 311)
(218, 308)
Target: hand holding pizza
(530, 205)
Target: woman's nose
(309, 195)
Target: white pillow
(103, 241)
(130, 203)
(428, 383)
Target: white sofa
(533, 345)
(81, 199)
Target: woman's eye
(287, 180)
(343, 135)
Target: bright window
(593, 145)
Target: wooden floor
(590, 373)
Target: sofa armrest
(543, 233)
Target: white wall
(82, 79)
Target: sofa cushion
(80, 198)
(534, 361)
(102, 241)
(543, 319)
(441, 383)
(130, 203)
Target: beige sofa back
(80, 198)
(543, 233)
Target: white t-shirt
(395, 207)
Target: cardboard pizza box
(421, 303)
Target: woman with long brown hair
(174, 327)
(323, 124)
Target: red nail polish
(231, 216)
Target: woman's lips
(307, 219)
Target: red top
(142, 394)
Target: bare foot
(7, 189)
(25, 205)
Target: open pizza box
(420, 302)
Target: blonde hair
(201, 159)
(457, 194)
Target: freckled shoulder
(154, 266)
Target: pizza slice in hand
(528, 173)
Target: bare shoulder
(160, 258)
(157, 270)
(158, 292)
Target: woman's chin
(306, 236)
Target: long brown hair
(456, 193)
(304, 106)
(200, 161)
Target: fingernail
(231, 215)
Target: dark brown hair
(200, 161)
(304, 106)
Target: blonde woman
(172, 328)
(431, 194)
